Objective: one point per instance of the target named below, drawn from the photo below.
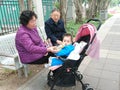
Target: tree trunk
(104, 4)
(92, 9)
(78, 10)
(22, 5)
(63, 10)
(30, 5)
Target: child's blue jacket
(65, 51)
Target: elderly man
(54, 27)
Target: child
(62, 50)
(73, 55)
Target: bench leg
(26, 70)
(18, 66)
(20, 73)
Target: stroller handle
(96, 20)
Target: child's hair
(68, 35)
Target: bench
(9, 53)
(9, 56)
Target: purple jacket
(29, 45)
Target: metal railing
(47, 8)
(9, 16)
(10, 12)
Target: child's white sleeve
(79, 47)
(74, 55)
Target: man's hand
(59, 42)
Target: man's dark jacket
(54, 30)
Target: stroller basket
(63, 77)
(68, 73)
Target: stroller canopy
(94, 42)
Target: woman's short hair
(26, 16)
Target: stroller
(67, 74)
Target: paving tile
(115, 47)
(117, 21)
(78, 86)
(113, 59)
(114, 52)
(105, 47)
(108, 85)
(101, 60)
(93, 81)
(95, 65)
(111, 67)
(110, 75)
(84, 64)
(103, 53)
(93, 72)
(115, 28)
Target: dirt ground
(10, 81)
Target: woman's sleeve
(27, 43)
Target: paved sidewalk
(103, 74)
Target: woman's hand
(55, 49)
(52, 49)
(49, 49)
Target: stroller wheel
(87, 87)
(53, 89)
(49, 83)
(79, 75)
(50, 78)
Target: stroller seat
(67, 74)
(74, 55)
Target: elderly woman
(29, 44)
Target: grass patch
(109, 15)
(9, 70)
(72, 27)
